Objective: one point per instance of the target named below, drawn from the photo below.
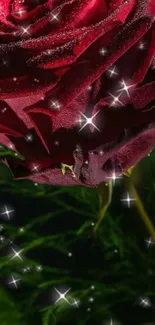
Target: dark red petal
(55, 177)
(10, 121)
(20, 86)
(143, 95)
(144, 62)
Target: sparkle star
(14, 281)
(1, 227)
(145, 302)
(25, 31)
(116, 100)
(4, 110)
(62, 295)
(149, 242)
(153, 67)
(90, 88)
(20, 12)
(35, 168)
(128, 199)
(36, 80)
(54, 17)
(4, 63)
(54, 105)
(141, 46)
(11, 146)
(7, 212)
(114, 177)
(125, 88)
(26, 269)
(103, 51)
(29, 137)
(16, 254)
(2, 238)
(112, 72)
(101, 152)
(21, 229)
(76, 303)
(91, 299)
(56, 143)
(89, 120)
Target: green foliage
(9, 310)
(115, 261)
(5, 152)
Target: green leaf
(9, 311)
(4, 152)
(5, 172)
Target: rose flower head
(77, 87)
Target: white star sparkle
(125, 88)
(29, 137)
(2, 238)
(54, 17)
(35, 168)
(62, 295)
(149, 242)
(14, 281)
(11, 146)
(116, 100)
(128, 199)
(7, 212)
(54, 105)
(26, 269)
(56, 143)
(91, 299)
(21, 229)
(112, 72)
(145, 302)
(24, 30)
(4, 110)
(89, 120)
(103, 51)
(101, 152)
(90, 88)
(141, 46)
(114, 177)
(16, 254)
(20, 12)
(4, 63)
(76, 303)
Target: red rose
(77, 87)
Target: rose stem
(105, 197)
(142, 211)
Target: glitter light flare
(89, 120)
(62, 295)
